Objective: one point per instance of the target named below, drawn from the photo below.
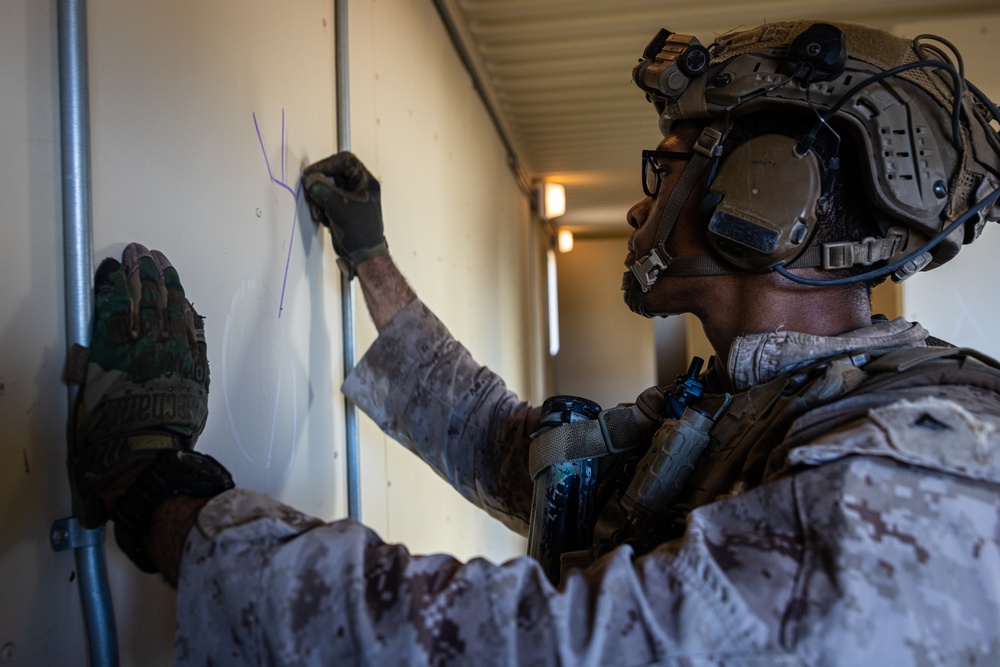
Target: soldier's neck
(768, 303)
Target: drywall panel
(955, 301)
(460, 230)
(607, 353)
(202, 116)
(40, 620)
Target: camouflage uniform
(821, 531)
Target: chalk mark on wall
(283, 185)
(261, 388)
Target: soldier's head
(832, 154)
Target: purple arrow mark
(281, 183)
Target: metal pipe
(78, 242)
(95, 599)
(346, 285)
(78, 254)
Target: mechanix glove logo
(145, 387)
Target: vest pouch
(562, 507)
(663, 471)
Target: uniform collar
(758, 358)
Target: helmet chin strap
(635, 298)
(639, 280)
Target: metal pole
(347, 286)
(78, 254)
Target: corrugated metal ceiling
(558, 73)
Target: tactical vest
(654, 471)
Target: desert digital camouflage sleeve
(424, 389)
(863, 560)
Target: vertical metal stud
(347, 286)
(78, 258)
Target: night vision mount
(669, 62)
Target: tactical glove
(145, 383)
(344, 196)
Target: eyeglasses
(652, 170)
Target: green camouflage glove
(145, 387)
(345, 197)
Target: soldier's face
(687, 238)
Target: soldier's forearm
(385, 289)
(171, 524)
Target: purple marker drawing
(281, 183)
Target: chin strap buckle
(866, 252)
(647, 269)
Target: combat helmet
(930, 157)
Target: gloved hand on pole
(144, 379)
(345, 197)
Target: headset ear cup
(763, 202)
(709, 203)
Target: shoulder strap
(907, 358)
(614, 430)
(900, 369)
(932, 365)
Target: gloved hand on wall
(144, 382)
(346, 198)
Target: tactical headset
(930, 158)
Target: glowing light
(554, 200)
(565, 240)
(553, 304)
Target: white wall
(177, 165)
(39, 608)
(959, 301)
(459, 228)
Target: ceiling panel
(558, 73)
